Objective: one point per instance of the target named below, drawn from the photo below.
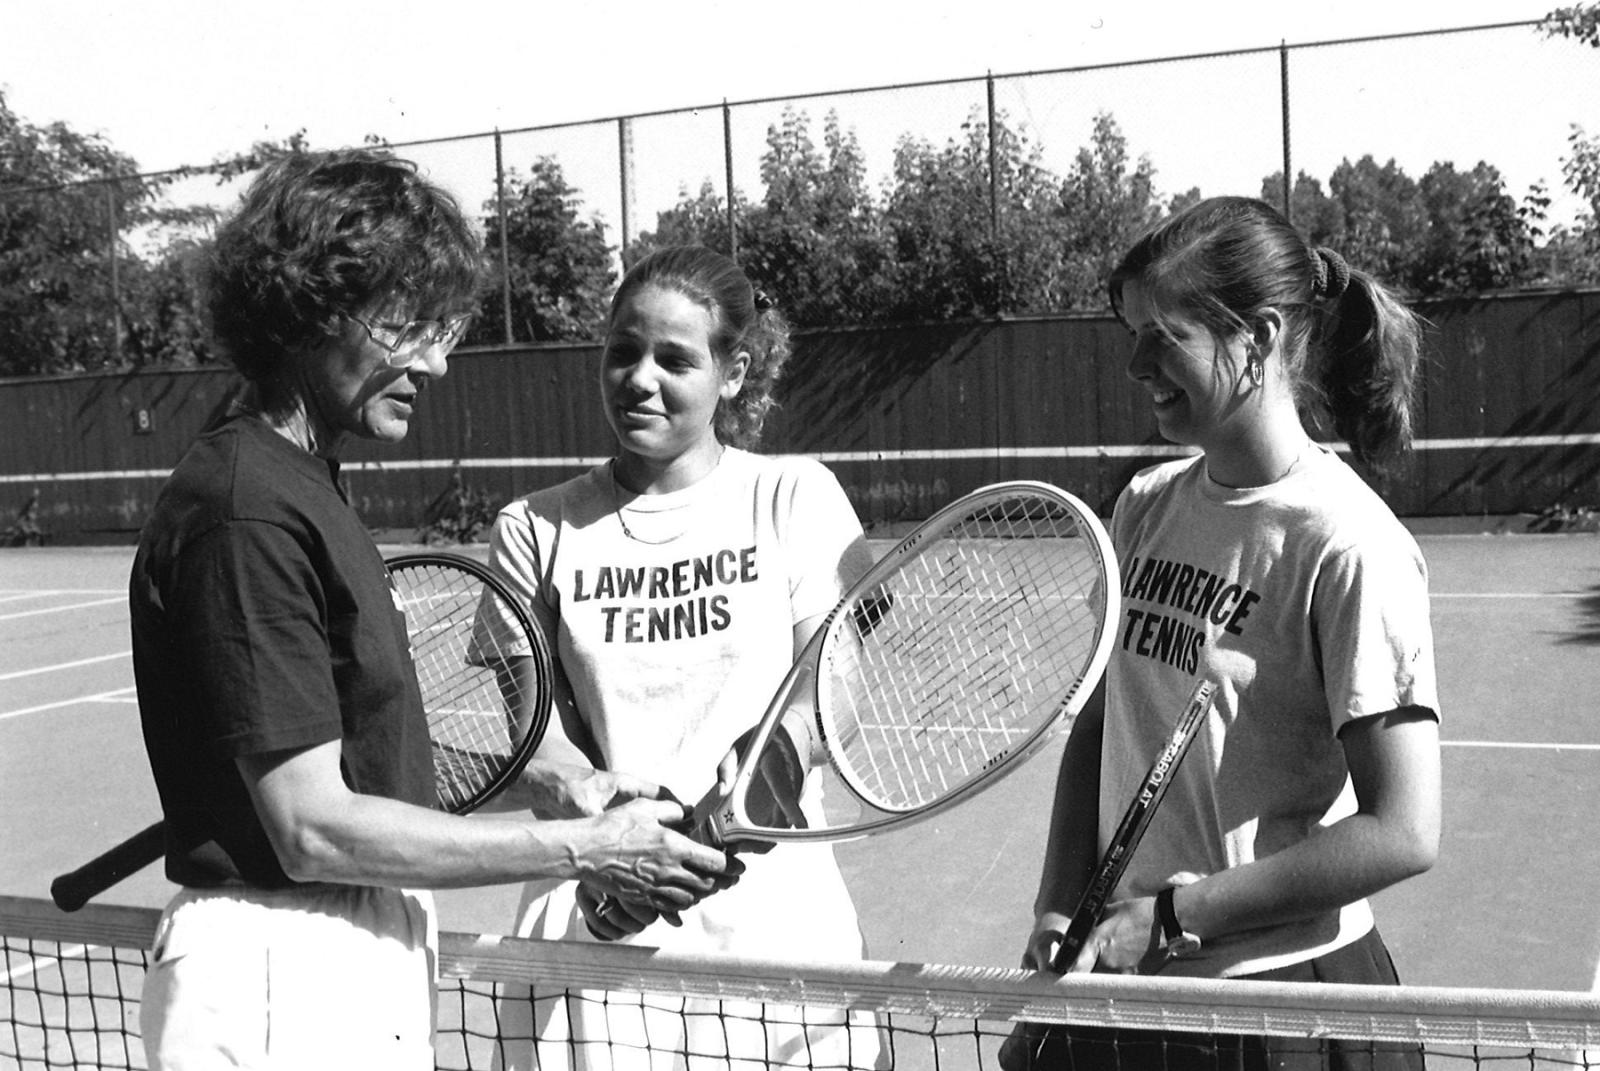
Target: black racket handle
(72, 890)
(1131, 829)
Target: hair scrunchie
(762, 301)
(1331, 275)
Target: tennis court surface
(1501, 933)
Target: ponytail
(739, 420)
(1364, 365)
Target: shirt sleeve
(823, 537)
(1373, 630)
(515, 556)
(250, 613)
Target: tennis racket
(485, 676)
(1031, 1045)
(938, 672)
(1130, 830)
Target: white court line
(1510, 745)
(120, 695)
(62, 609)
(1513, 594)
(18, 596)
(64, 665)
(32, 966)
(22, 593)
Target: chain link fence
(970, 197)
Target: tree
(1580, 22)
(560, 268)
(701, 219)
(972, 227)
(65, 198)
(164, 317)
(1476, 237)
(1105, 204)
(815, 240)
(1452, 231)
(952, 247)
(1313, 212)
(1379, 218)
(1573, 253)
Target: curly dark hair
(318, 236)
(743, 319)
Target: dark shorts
(1365, 962)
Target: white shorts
(321, 976)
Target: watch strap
(1177, 940)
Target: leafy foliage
(56, 302)
(815, 237)
(558, 265)
(1448, 232)
(97, 271)
(24, 530)
(461, 514)
(1581, 22)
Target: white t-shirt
(1307, 602)
(674, 639)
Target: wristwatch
(1177, 941)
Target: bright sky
(184, 81)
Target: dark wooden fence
(907, 417)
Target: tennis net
(72, 981)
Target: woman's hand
(564, 790)
(1127, 940)
(636, 852)
(609, 918)
(1045, 941)
(776, 784)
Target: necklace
(616, 500)
(1305, 451)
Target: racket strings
(977, 641)
(462, 647)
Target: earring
(1256, 369)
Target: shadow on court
(1588, 631)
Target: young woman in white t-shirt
(1266, 564)
(678, 580)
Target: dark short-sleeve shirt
(264, 620)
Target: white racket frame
(722, 819)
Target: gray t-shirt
(1307, 602)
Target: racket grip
(1083, 923)
(72, 890)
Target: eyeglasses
(404, 340)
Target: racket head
(484, 670)
(949, 662)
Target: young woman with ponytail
(677, 582)
(1266, 564)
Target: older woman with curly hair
(280, 708)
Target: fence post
(727, 164)
(994, 167)
(1283, 89)
(625, 166)
(116, 287)
(505, 252)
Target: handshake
(667, 857)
